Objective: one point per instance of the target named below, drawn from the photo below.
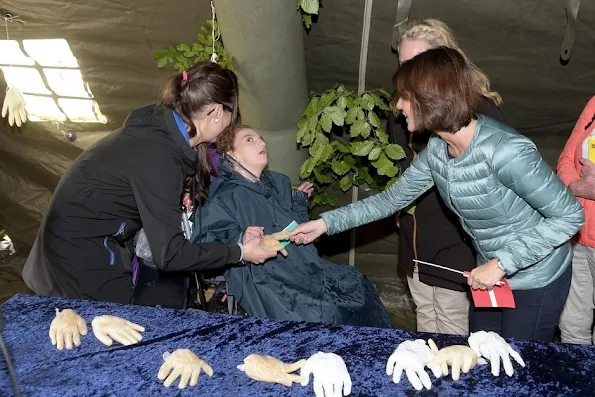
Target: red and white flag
(499, 296)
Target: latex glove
(331, 378)
(185, 365)
(272, 242)
(111, 328)
(411, 356)
(494, 348)
(14, 104)
(66, 329)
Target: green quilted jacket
(509, 201)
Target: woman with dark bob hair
(518, 213)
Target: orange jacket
(569, 170)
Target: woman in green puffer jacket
(518, 213)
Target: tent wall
(517, 43)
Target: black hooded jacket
(130, 179)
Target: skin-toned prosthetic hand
(494, 348)
(272, 242)
(272, 370)
(459, 357)
(111, 328)
(183, 364)
(411, 356)
(66, 329)
(331, 378)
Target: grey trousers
(576, 321)
(438, 309)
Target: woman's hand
(254, 253)
(306, 187)
(486, 275)
(252, 232)
(308, 232)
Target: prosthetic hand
(184, 363)
(411, 357)
(457, 356)
(111, 328)
(494, 348)
(272, 242)
(66, 329)
(331, 378)
(270, 369)
(14, 104)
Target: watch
(499, 262)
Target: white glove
(184, 363)
(411, 357)
(331, 378)
(66, 329)
(111, 328)
(494, 348)
(14, 104)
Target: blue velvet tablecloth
(223, 341)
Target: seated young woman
(301, 286)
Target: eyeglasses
(225, 107)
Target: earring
(216, 120)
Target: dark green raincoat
(302, 286)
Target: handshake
(413, 357)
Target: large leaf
(381, 135)
(374, 120)
(342, 103)
(360, 127)
(382, 162)
(374, 153)
(312, 108)
(162, 62)
(346, 182)
(327, 199)
(394, 151)
(321, 177)
(326, 99)
(309, 6)
(351, 114)
(307, 167)
(326, 152)
(362, 148)
(336, 114)
(340, 167)
(326, 122)
(367, 101)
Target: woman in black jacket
(134, 178)
(433, 233)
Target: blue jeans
(536, 314)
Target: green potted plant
(183, 56)
(346, 143)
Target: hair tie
(185, 75)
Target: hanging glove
(331, 378)
(184, 363)
(111, 328)
(494, 348)
(411, 357)
(14, 104)
(66, 329)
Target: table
(223, 341)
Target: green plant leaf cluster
(184, 56)
(308, 8)
(346, 143)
